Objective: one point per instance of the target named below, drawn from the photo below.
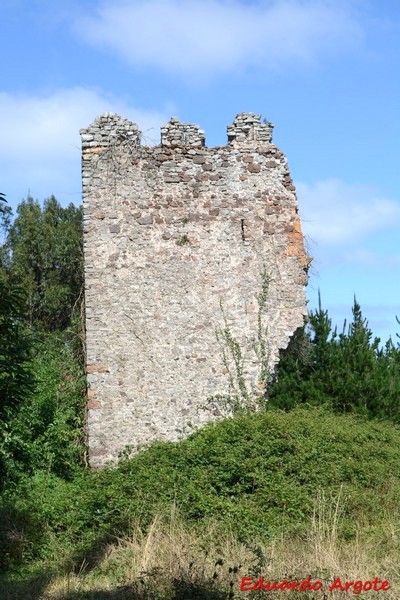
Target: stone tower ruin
(194, 276)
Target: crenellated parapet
(110, 128)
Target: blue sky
(326, 73)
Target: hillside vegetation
(309, 486)
(253, 478)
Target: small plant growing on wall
(261, 345)
(232, 358)
(183, 240)
(239, 397)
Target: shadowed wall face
(179, 242)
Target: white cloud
(372, 260)
(334, 212)
(40, 149)
(207, 36)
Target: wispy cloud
(40, 148)
(334, 212)
(212, 36)
(372, 260)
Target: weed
(239, 397)
(183, 240)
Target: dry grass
(172, 562)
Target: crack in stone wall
(170, 232)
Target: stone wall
(179, 239)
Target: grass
(171, 562)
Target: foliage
(240, 399)
(254, 475)
(349, 371)
(43, 437)
(5, 213)
(5, 220)
(173, 561)
(47, 429)
(41, 381)
(16, 382)
(45, 257)
(261, 346)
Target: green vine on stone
(239, 397)
(261, 346)
(237, 383)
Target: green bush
(16, 381)
(256, 475)
(46, 429)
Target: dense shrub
(46, 428)
(256, 475)
(16, 380)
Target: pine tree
(350, 371)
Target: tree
(15, 379)
(5, 219)
(349, 371)
(45, 256)
(14, 349)
(41, 384)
